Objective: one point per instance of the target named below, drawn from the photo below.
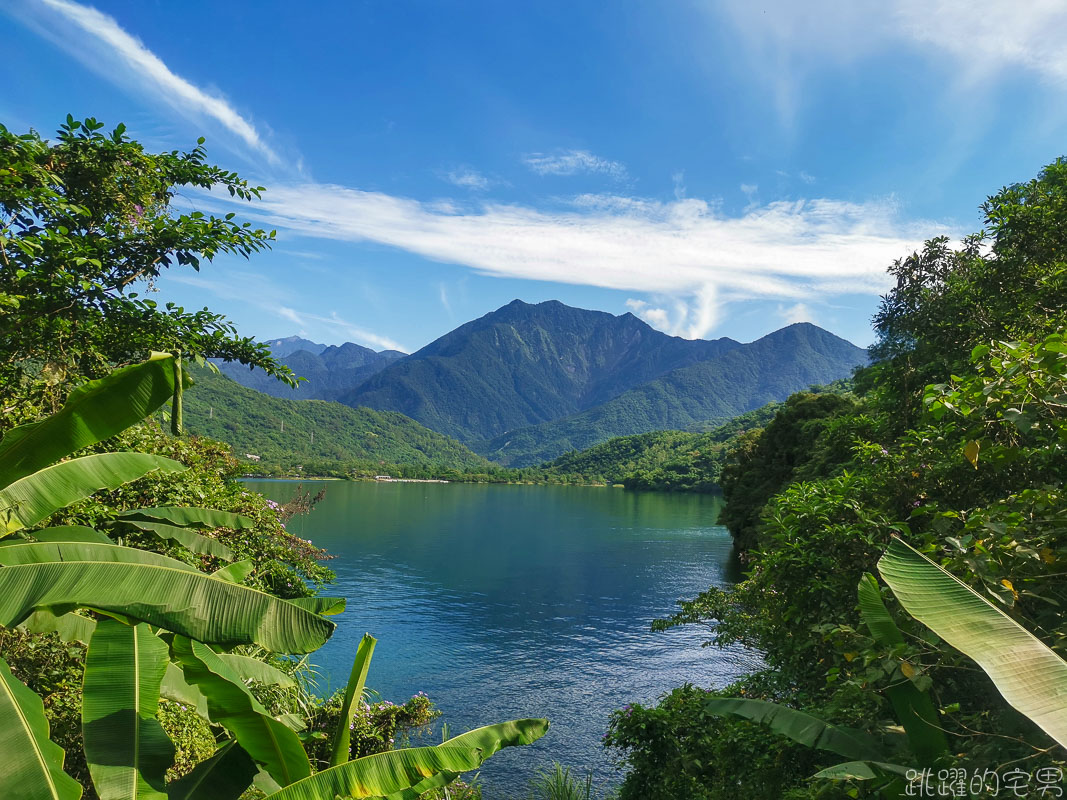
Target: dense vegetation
(709, 392)
(319, 436)
(527, 383)
(148, 604)
(955, 443)
(671, 461)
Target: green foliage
(954, 444)
(192, 616)
(673, 461)
(87, 219)
(287, 433)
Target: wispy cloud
(260, 292)
(790, 251)
(798, 312)
(467, 178)
(573, 162)
(788, 42)
(127, 60)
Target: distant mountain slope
(740, 380)
(663, 460)
(527, 364)
(280, 431)
(330, 370)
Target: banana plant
(160, 627)
(1029, 674)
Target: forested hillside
(707, 393)
(943, 475)
(676, 461)
(322, 437)
(524, 364)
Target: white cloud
(260, 292)
(790, 251)
(126, 59)
(798, 312)
(573, 162)
(467, 178)
(808, 179)
(789, 41)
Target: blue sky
(718, 168)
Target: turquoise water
(503, 602)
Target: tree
(87, 223)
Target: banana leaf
(49, 552)
(381, 774)
(190, 540)
(127, 751)
(174, 687)
(66, 533)
(1030, 676)
(252, 669)
(800, 727)
(71, 627)
(230, 704)
(862, 771)
(321, 605)
(31, 499)
(489, 740)
(340, 751)
(93, 412)
(224, 776)
(186, 602)
(189, 516)
(235, 572)
(32, 765)
(914, 708)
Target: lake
(503, 602)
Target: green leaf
(190, 540)
(29, 500)
(861, 771)
(32, 766)
(488, 740)
(1030, 676)
(230, 704)
(914, 708)
(186, 602)
(235, 572)
(340, 751)
(252, 669)
(800, 727)
(320, 604)
(175, 687)
(382, 774)
(93, 412)
(186, 516)
(125, 746)
(70, 533)
(49, 552)
(224, 776)
(70, 627)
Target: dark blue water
(503, 602)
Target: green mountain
(717, 389)
(663, 460)
(285, 433)
(527, 364)
(330, 371)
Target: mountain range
(528, 382)
(329, 370)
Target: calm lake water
(503, 602)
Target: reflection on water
(503, 602)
